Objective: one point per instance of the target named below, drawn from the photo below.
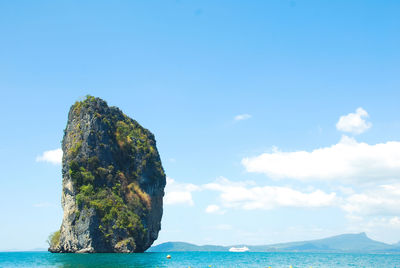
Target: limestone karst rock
(113, 182)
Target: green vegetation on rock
(114, 169)
(54, 239)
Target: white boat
(243, 249)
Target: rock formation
(113, 182)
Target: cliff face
(113, 182)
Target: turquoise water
(198, 259)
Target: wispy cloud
(52, 156)
(373, 204)
(383, 200)
(246, 196)
(354, 122)
(179, 193)
(214, 209)
(241, 117)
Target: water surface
(199, 259)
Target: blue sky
(185, 70)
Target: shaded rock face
(113, 182)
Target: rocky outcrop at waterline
(113, 182)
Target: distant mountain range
(340, 243)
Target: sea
(199, 259)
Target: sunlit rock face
(113, 182)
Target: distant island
(351, 243)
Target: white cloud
(52, 156)
(347, 161)
(242, 117)
(246, 196)
(214, 209)
(395, 221)
(354, 122)
(383, 200)
(179, 193)
(375, 210)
